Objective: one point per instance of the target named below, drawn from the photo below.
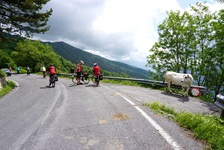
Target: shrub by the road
(7, 88)
(208, 128)
(2, 73)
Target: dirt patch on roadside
(120, 116)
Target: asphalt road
(109, 117)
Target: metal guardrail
(158, 83)
(149, 82)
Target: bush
(204, 127)
(7, 88)
(2, 74)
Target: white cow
(184, 80)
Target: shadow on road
(92, 85)
(212, 107)
(46, 87)
(179, 97)
(72, 85)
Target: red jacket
(52, 70)
(79, 68)
(96, 70)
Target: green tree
(4, 59)
(23, 17)
(33, 53)
(203, 33)
(172, 51)
(208, 57)
(221, 1)
(215, 57)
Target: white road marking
(165, 135)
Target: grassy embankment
(207, 128)
(7, 88)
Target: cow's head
(187, 78)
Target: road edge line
(162, 132)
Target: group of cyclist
(79, 70)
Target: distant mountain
(74, 55)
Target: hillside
(74, 54)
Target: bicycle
(96, 79)
(44, 74)
(84, 78)
(54, 78)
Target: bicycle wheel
(74, 80)
(53, 81)
(97, 81)
(93, 79)
(86, 79)
(53, 84)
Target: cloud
(121, 30)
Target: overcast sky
(120, 30)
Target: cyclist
(28, 70)
(43, 69)
(18, 70)
(79, 71)
(96, 71)
(52, 71)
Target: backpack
(56, 77)
(101, 77)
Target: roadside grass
(207, 128)
(7, 88)
(121, 82)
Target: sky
(119, 30)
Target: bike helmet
(82, 62)
(52, 64)
(95, 64)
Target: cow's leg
(187, 89)
(168, 83)
(182, 93)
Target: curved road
(108, 117)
